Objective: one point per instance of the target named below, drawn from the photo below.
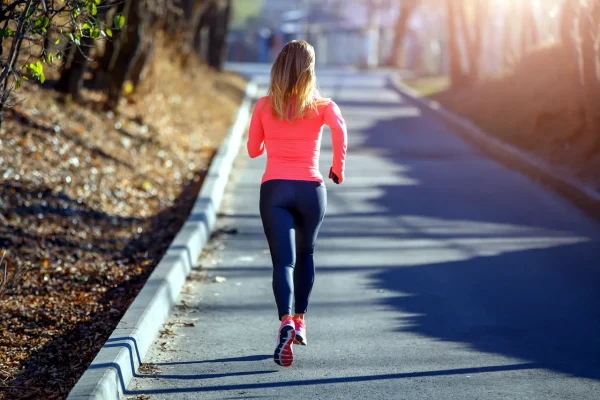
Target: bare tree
(474, 37)
(587, 44)
(127, 50)
(529, 28)
(71, 80)
(567, 21)
(217, 34)
(452, 17)
(400, 29)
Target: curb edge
(112, 369)
(581, 195)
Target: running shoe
(300, 327)
(284, 354)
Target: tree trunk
(507, 39)
(567, 21)
(589, 71)
(202, 18)
(71, 79)
(474, 39)
(194, 11)
(140, 66)
(47, 42)
(529, 30)
(400, 29)
(129, 47)
(456, 73)
(188, 8)
(217, 35)
(106, 61)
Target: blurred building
(343, 32)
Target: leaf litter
(148, 369)
(89, 202)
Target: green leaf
(109, 33)
(92, 9)
(57, 41)
(119, 21)
(18, 84)
(40, 25)
(37, 70)
(59, 55)
(6, 33)
(32, 68)
(43, 22)
(98, 2)
(75, 39)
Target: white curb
(118, 360)
(582, 195)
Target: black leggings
(290, 207)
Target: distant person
(287, 124)
(263, 39)
(270, 45)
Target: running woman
(287, 124)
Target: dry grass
(428, 86)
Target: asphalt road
(440, 275)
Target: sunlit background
(526, 71)
(363, 32)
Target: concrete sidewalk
(440, 275)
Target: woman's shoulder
(327, 105)
(324, 102)
(261, 103)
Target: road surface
(440, 275)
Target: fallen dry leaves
(89, 202)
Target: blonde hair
(292, 90)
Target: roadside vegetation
(106, 136)
(542, 92)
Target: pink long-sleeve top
(293, 148)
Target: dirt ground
(534, 106)
(89, 202)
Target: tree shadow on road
(534, 295)
(330, 381)
(517, 304)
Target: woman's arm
(256, 135)
(339, 138)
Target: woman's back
(293, 147)
(288, 125)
